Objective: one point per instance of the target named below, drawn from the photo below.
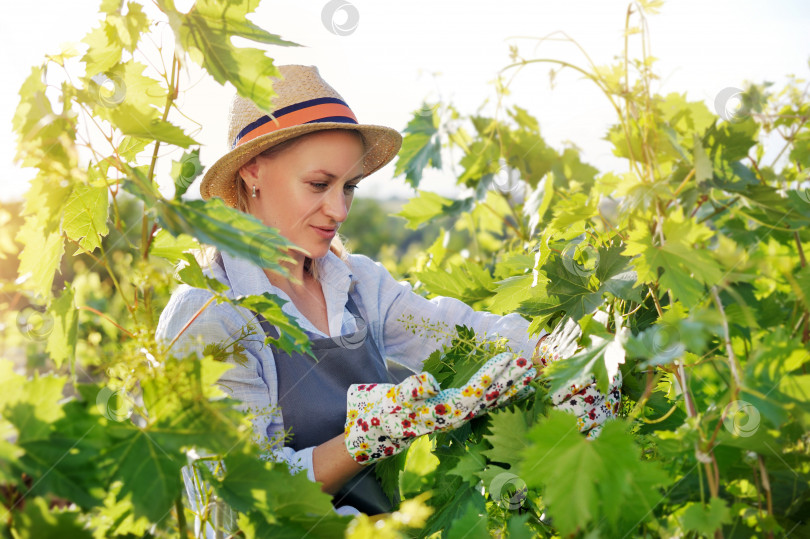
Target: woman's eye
(351, 188)
(319, 185)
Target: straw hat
(304, 103)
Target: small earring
(254, 192)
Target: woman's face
(306, 190)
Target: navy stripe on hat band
(292, 108)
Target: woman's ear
(250, 171)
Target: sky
(385, 57)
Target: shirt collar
(247, 278)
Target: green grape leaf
(45, 201)
(538, 202)
(687, 269)
(565, 290)
(508, 435)
(37, 521)
(144, 123)
(706, 520)
(85, 216)
(116, 517)
(470, 465)
(570, 172)
(130, 147)
(40, 257)
(171, 248)
(731, 141)
(103, 49)
(388, 471)
(125, 84)
(800, 153)
(184, 171)
(423, 208)
(421, 147)
(703, 165)
(258, 524)
(129, 27)
(291, 336)
(528, 152)
(32, 405)
(183, 410)
(65, 468)
(576, 370)
(587, 481)
(206, 33)
(510, 293)
(62, 340)
(614, 275)
(573, 210)
(466, 281)
(192, 274)
(150, 472)
(471, 522)
(60, 442)
(253, 483)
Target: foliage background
(696, 251)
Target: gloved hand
(384, 419)
(582, 399)
(561, 343)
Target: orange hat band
(324, 109)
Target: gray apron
(312, 397)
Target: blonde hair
(242, 195)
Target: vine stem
(732, 360)
(171, 94)
(648, 389)
(692, 412)
(719, 210)
(107, 318)
(683, 183)
(505, 221)
(654, 291)
(181, 516)
(766, 486)
(191, 320)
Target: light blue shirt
(384, 302)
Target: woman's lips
(327, 233)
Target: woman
(298, 172)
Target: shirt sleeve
(246, 382)
(406, 318)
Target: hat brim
(220, 180)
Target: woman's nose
(335, 204)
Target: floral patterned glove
(590, 406)
(582, 398)
(384, 419)
(561, 343)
